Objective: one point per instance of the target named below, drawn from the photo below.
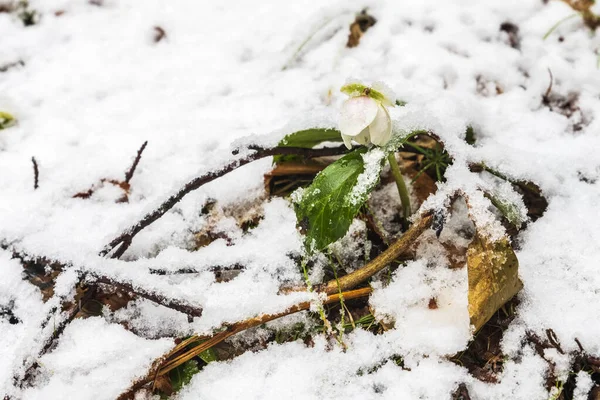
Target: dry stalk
(36, 174)
(168, 364)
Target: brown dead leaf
(433, 305)
(159, 34)
(162, 383)
(457, 255)
(287, 176)
(422, 187)
(38, 275)
(358, 28)
(493, 277)
(584, 8)
(123, 185)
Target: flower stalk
(402, 190)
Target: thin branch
(89, 294)
(94, 277)
(36, 173)
(6, 67)
(178, 305)
(50, 342)
(184, 271)
(168, 363)
(546, 96)
(121, 243)
(129, 174)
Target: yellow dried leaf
(493, 271)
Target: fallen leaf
(287, 176)
(360, 25)
(493, 277)
(163, 384)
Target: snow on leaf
(309, 138)
(327, 208)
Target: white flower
(364, 116)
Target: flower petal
(363, 137)
(347, 141)
(389, 98)
(356, 114)
(380, 129)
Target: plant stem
(402, 191)
(557, 24)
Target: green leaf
(182, 375)
(509, 210)
(309, 138)
(6, 120)
(470, 135)
(327, 207)
(208, 355)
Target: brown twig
(6, 67)
(121, 243)
(88, 295)
(94, 278)
(123, 185)
(461, 393)
(171, 362)
(131, 171)
(58, 330)
(36, 173)
(159, 34)
(183, 271)
(546, 96)
(178, 305)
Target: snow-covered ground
(94, 85)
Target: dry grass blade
(169, 364)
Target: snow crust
(94, 86)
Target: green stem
(402, 191)
(557, 24)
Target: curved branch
(169, 362)
(121, 243)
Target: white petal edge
(380, 129)
(363, 137)
(389, 97)
(356, 114)
(347, 141)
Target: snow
(111, 355)
(94, 86)
(368, 178)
